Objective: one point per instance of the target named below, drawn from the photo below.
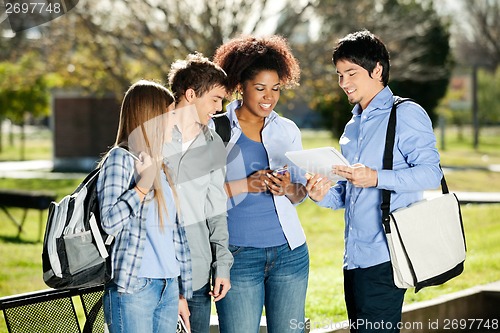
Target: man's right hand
(317, 186)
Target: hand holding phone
(281, 171)
(278, 181)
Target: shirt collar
(233, 119)
(204, 129)
(382, 101)
(208, 134)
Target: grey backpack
(76, 250)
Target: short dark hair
(363, 49)
(245, 56)
(195, 72)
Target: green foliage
(335, 111)
(420, 53)
(488, 92)
(432, 57)
(23, 88)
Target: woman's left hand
(184, 312)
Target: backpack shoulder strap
(223, 128)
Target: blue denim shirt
(415, 168)
(278, 136)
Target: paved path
(34, 169)
(42, 168)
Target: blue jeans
(153, 308)
(200, 307)
(274, 277)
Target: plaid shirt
(124, 216)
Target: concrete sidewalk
(34, 169)
(42, 169)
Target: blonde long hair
(141, 128)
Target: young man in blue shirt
(373, 301)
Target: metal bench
(53, 311)
(39, 200)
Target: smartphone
(280, 171)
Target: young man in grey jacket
(196, 158)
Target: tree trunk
(22, 141)
(1, 135)
(475, 111)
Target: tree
(478, 45)
(488, 92)
(420, 53)
(23, 92)
(478, 33)
(105, 46)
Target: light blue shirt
(159, 260)
(254, 221)
(415, 169)
(279, 135)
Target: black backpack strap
(223, 128)
(387, 161)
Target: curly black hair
(242, 58)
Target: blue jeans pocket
(235, 249)
(142, 283)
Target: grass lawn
(21, 258)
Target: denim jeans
(153, 308)
(200, 307)
(274, 277)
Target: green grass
(60, 187)
(37, 145)
(458, 154)
(21, 258)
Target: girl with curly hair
(271, 259)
